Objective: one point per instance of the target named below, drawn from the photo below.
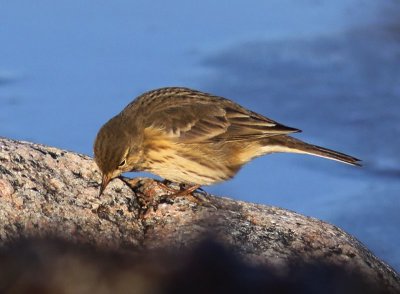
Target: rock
(49, 193)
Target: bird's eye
(123, 162)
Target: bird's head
(115, 151)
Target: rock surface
(51, 193)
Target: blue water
(330, 68)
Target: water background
(330, 68)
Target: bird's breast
(185, 163)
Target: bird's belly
(184, 168)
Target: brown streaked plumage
(191, 137)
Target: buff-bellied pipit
(191, 137)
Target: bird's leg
(172, 193)
(187, 191)
(164, 185)
(151, 191)
(184, 189)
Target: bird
(193, 138)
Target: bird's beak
(106, 179)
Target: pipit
(191, 137)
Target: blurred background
(330, 68)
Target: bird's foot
(156, 192)
(192, 193)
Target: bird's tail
(293, 145)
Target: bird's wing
(213, 122)
(189, 123)
(245, 124)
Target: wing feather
(197, 117)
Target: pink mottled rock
(6, 189)
(47, 192)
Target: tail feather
(292, 145)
